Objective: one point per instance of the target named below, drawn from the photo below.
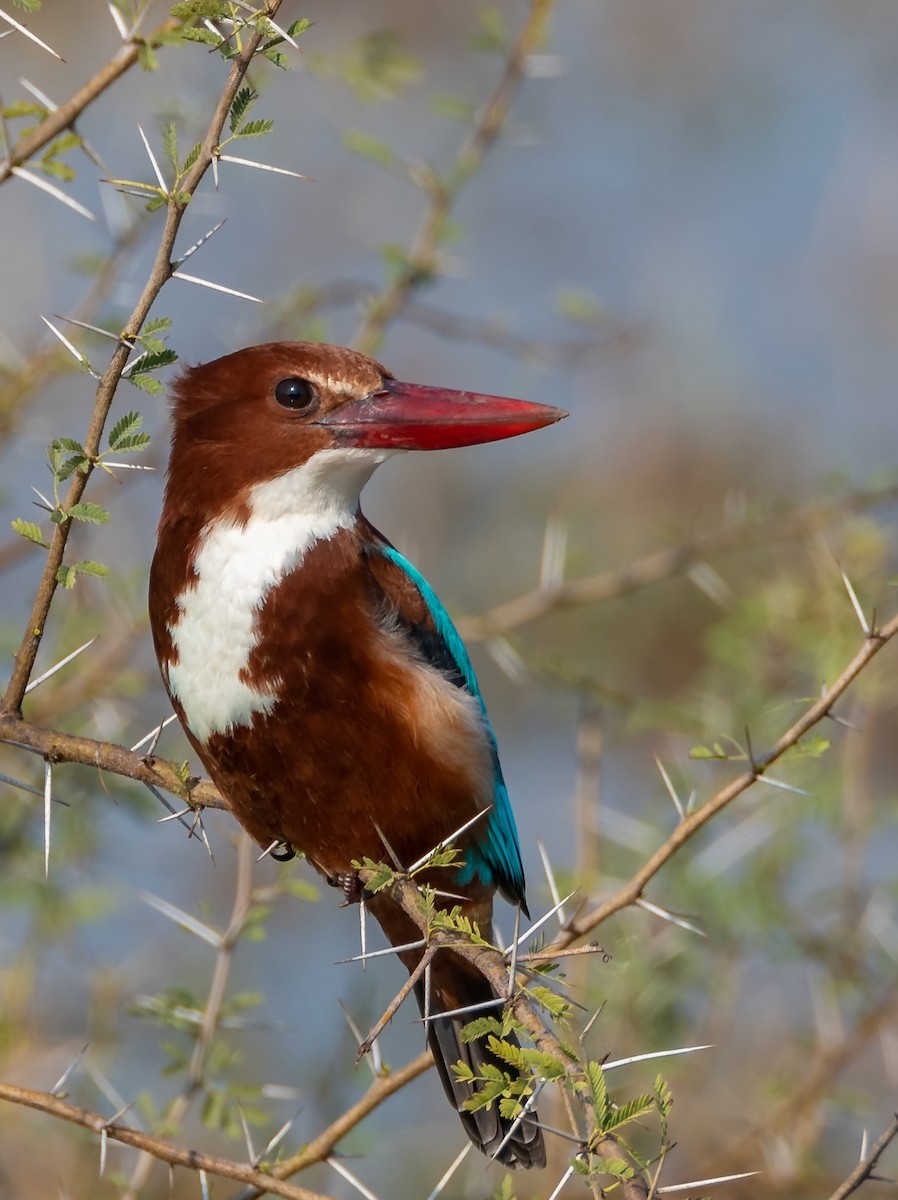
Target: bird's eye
(294, 393)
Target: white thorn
(460, 1012)
(447, 840)
(363, 934)
(550, 877)
(248, 162)
(513, 957)
(46, 186)
(856, 604)
(698, 1183)
(250, 1148)
(786, 787)
(672, 791)
(216, 287)
(528, 933)
(205, 932)
(516, 1123)
(40, 96)
(350, 1178)
(153, 735)
(359, 1037)
(277, 1138)
(60, 1082)
(551, 570)
(447, 1175)
(204, 1184)
(119, 22)
(711, 583)
(152, 157)
(561, 1182)
(103, 1141)
(31, 36)
(196, 245)
(634, 1058)
(94, 329)
(380, 953)
(58, 666)
(669, 916)
(268, 849)
(73, 350)
(48, 807)
(215, 170)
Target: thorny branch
(65, 116)
(162, 270)
(865, 1168)
(160, 1148)
(419, 265)
(196, 1067)
(688, 826)
(663, 564)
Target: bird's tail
(456, 984)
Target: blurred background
(686, 235)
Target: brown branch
(419, 265)
(196, 1067)
(65, 116)
(323, 1146)
(494, 968)
(864, 1169)
(664, 564)
(828, 1064)
(107, 756)
(634, 888)
(160, 1148)
(161, 272)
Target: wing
(495, 855)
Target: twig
(161, 272)
(864, 1169)
(63, 117)
(196, 1067)
(321, 1147)
(418, 267)
(633, 889)
(663, 564)
(159, 1148)
(107, 756)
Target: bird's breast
(310, 709)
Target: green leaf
(212, 10)
(598, 1092)
(479, 1027)
(157, 325)
(368, 147)
(192, 155)
(243, 102)
(93, 514)
(66, 576)
(27, 529)
(625, 1113)
(152, 360)
(255, 129)
(124, 427)
(200, 34)
(170, 143)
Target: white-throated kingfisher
(315, 672)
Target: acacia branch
(323, 1146)
(65, 116)
(419, 265)
(664, 564)
(864, 1169)
(689, 825)
(108, 756)
(162, 270)
(159, 1148)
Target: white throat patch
(236, 568)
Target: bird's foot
(350, 885)
(284, 853)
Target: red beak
(406, 416)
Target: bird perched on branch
(315, 672)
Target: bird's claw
(350, 885)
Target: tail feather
(486, 1127)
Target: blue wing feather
(496, 857)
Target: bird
(313, 668)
